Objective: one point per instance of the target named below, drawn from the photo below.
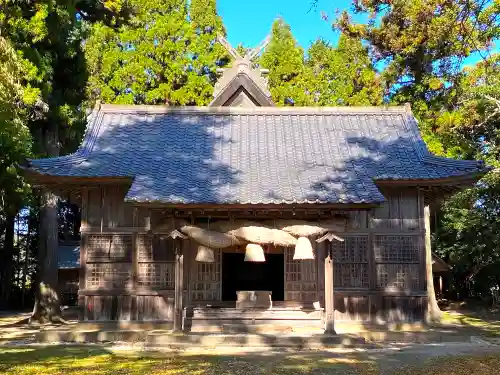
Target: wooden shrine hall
(243, 210)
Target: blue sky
(249, 22)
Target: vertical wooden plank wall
(396, 268)
(106, 216)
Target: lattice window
(398, 276)
(351, 275)
(108, 275)
(350, 259)
(106, 247)
(207, 279)
(156, 262)
(398, 262)
(156, 275)
(155, 249)
(300, 276)
(396, 249)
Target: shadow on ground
(72, 360)
(100, 360)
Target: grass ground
(483, 323)
(94, 361)
(82, 360)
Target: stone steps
(314, 341)
(269, 314)
(260, 327)
(258, 336)
(167, 339)
(230, 320)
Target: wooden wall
(125, 274)
(379, 270)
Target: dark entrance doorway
(240, 275)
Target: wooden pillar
(329, 298)
(179, 286)
(135, 266)
(433, 311)
(189, 258)
(83, 255)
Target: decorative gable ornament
(242, 85)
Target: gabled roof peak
(243, 84)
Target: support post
(433, 311)
(135, 266)
(179, 286)
(83, 256)
(329, 298)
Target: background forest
(58, 57)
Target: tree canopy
(343, 75)
(165, 54)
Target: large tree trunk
(433, 310)
(7, 262)
(47, 305)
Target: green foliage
(423, 44)
(50, 78)
(48, 35)
(15, 140)
(166, 53)
(343, 75)
(468, 235)
(330, 76)
(469, 232)
(287, 71)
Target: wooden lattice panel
(108, 275)
(398, 276)
(156, 275)
(206, 282)
(354, 275)
(396, 249)
(351, 262)
(300, 278)
(353, 249)
(155, 249)
(109, 247)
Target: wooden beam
(179, 286)
(329, 297)
(271, 207)
(464, 180)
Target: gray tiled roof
(263, 155)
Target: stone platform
(167, 339)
